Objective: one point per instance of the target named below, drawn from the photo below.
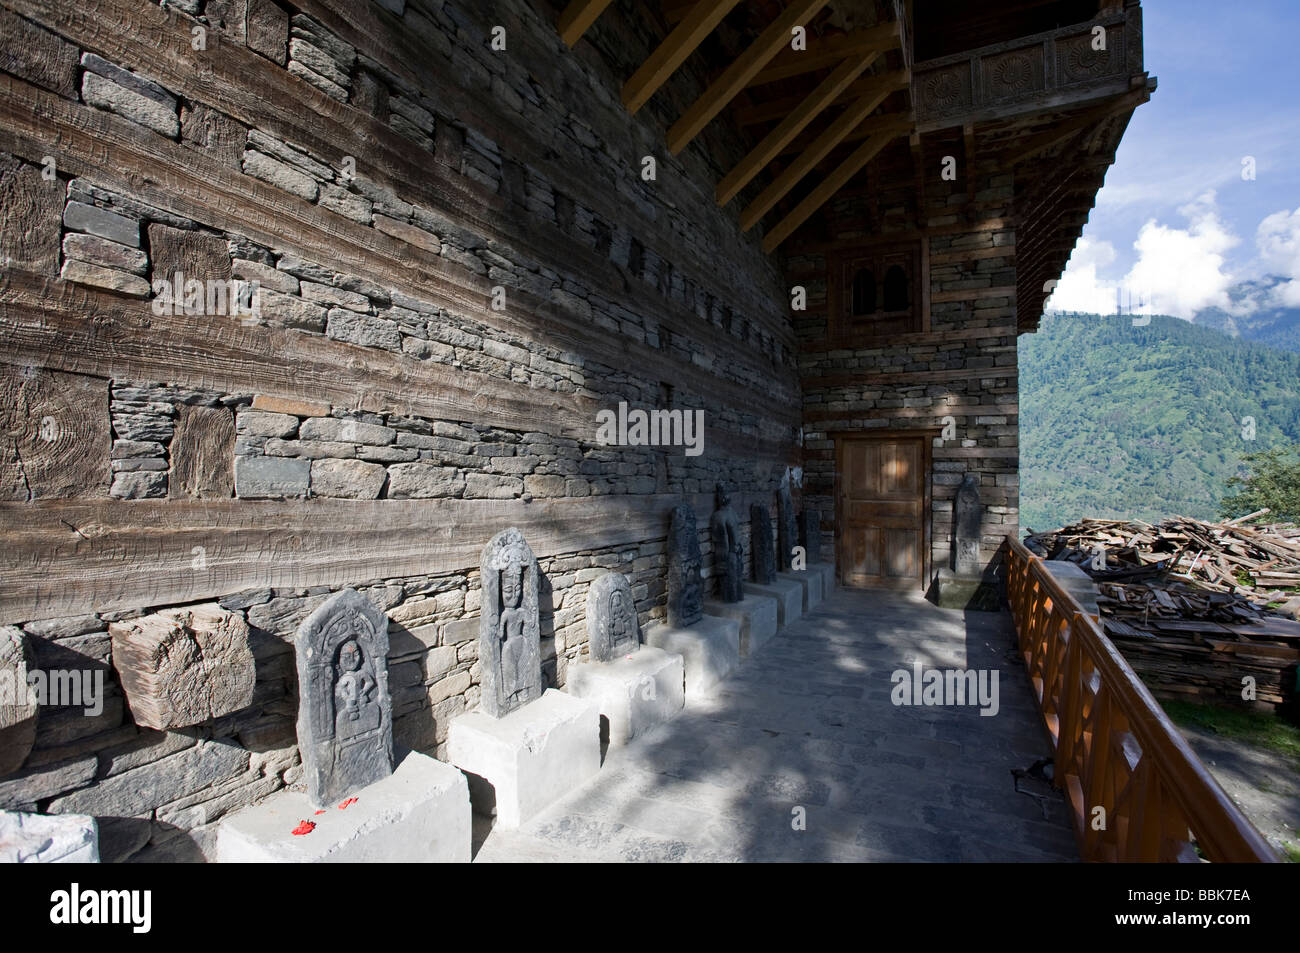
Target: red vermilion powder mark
(320, 812)
(304, 827)
(348, 802)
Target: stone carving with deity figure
(345, 714)
(728, 551)
(612, 629)
(509, 633)
(967, 515)
(786, 536)
(685, 585)
(760, 535)
(810, 530)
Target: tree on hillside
(1273, 481)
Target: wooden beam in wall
(828, 187)
(577, 17)
(32, 118)
(826, 93)
(818, 150)
(672, 52)
(736, 76)
(66, 558)
(823, 52)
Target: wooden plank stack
(1194, 605)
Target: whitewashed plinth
(48, 838)
(710, 649)
(532, 756)
(788, 594)
(812, 586)
(758, 617)
(634, 692)
(418, 814)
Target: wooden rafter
(736, 76)
(828, 187)
(577, 17)
(823, 52)
(820, 148)
(672, 52)
(812, 106)
(779, 108)
(1066, 130)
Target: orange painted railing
(1135, 789)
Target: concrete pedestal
(532, 756)
(419, 814)
(633, 693)
(788, 595)
(710, 649)
(757, 616)
(811, 583)
(827, 572)
(48, 839)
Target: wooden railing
(1116, 750)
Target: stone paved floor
(807, 722)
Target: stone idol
(810, 529)
(685, 587)
(728, 551)
(612, 630)
(786, 538)
(509, 633)
(760, 535)
(966, 528)
(345, 715)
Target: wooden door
(882, 529)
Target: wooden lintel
(827, 92)
(577, 17)
(736, 76)
(826, 188)
(672, 52)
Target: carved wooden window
(866, 306)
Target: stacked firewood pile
(1194, 606)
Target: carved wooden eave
(1053, 109)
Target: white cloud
(1178, 271)
(1080, 288)
(1278, 240)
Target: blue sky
(1176, 223)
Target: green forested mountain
(1143, 422)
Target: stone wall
(959, 373)
(613, 289)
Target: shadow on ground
(805, 731)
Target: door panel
(882, 508)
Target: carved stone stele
(760, 537)
(612, 629)
(810, 532)
(728, 551)
(182, 667)
(510, 651)
(345, 714)
(967, 516)
(786, 536)
(18, 708)
(685, 585)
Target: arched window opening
(864, 291)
